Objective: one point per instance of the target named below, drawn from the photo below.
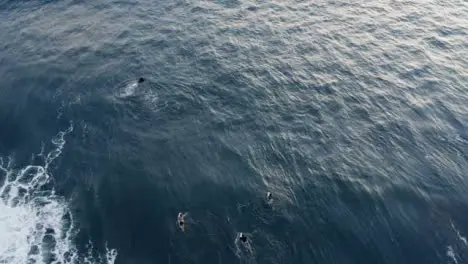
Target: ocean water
(353, 114)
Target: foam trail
(129, 90)
(462, 238)
(36, 225)
(451, 254)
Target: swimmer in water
(181, 221)
(141, 80)
(242, 237)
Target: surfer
(181, 221)
(141, 79)
(269, 196)
(242, 237)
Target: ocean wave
(36, 225)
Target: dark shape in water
(242, 237)
(50, 231)
(181, 221)
(141, 80)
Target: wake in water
(452, 255)
(450, 252)
(36, 225)
(459, 236)
(129, 88)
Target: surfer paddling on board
(181, 221)
(242, 237)
(243, 245)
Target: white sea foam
(451, 254)
(128, 90)
(459, 236)
(151, 97)
(36, 225)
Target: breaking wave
(36, 225)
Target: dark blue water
(353, 114)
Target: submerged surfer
(141, 79)
(181, 221)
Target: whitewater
(36, 225)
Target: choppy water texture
(353, 114)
